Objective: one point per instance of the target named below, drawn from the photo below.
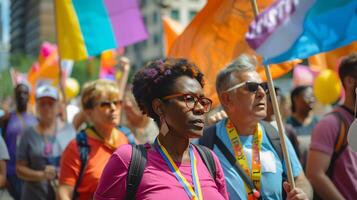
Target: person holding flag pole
(247, 147)
(248, 140)
(277, 112)
(299, 29)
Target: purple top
(345, 170)
(14, 130)
(158, 182)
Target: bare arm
(302, 183)
(134, 116)
(28, 174)
(2, 173)
(125, 63)
(65, 192)
(317, 165)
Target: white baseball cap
(46, 91)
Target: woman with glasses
(171, 92)
(101, 103)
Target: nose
(260, 91)
(113, 106)
(199, 108)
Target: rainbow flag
(86, 28)
(291, 29)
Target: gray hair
(241, 64)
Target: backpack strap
(135, 171)
(208, 159)
(274, 138)
(84, 149)
(127, 132)
(340, 142)
(208, 137)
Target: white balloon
(352, 135)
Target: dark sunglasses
(108, 104)
(250, 86)
(192, 100)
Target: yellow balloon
(327, 87)
(72, 88)
(118, 75)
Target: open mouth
(260, 105)
(197, 123)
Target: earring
(164, 129)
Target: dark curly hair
(157, 79)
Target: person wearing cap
(41, 146)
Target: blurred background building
(152, 10)
(31, 23)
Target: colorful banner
(46, 70)
(108, 62)
(216, 36)
(292, 29)
(97, 26)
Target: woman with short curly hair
(171, 92)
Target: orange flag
(172, 29)
(331, 59)
(45, 70)
(216, 36)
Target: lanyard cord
(196, 193)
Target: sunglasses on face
(108, 104)
(250, 86)
(192, 100)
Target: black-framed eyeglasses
(250, 86)
(108, 104)
(191, 100)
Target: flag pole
(61, 82)
(278, 118)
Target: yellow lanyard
(195, 192)
(241, 158)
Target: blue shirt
(272, 167)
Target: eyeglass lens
(192, 100)
(253, 86)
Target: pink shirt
(158, 182)
(345, 170)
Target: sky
(5, 15)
